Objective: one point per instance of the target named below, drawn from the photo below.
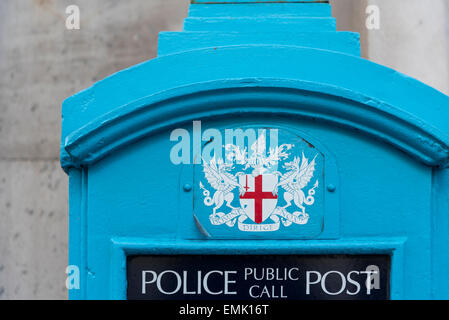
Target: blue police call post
(258, 157)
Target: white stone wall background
(42, 63)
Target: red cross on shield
(258, 202)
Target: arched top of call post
(274, 79)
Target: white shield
(258, 202)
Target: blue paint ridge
(174, 42)
(260, 24)
(259, 10)
(255, 1)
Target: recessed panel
(267, 277)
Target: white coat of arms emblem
(268, 198)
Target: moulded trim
(172, 108)
(216, 82)
(122, 247)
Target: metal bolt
(331, 187)
(187, 187)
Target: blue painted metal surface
(283, 66)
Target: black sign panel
(287, 277)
